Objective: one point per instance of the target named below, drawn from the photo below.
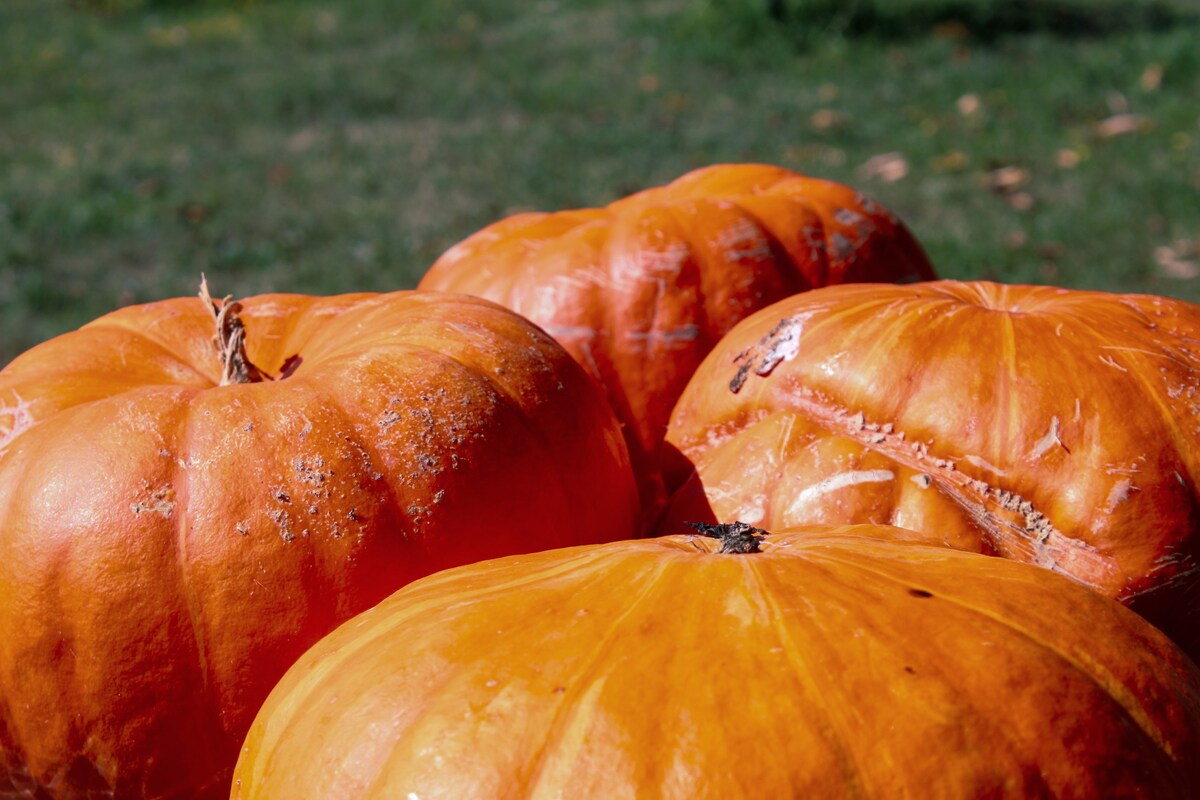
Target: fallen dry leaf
(888, 167)
(954, 161)
(1066, 158)
(1121, 124)
(1019, 201)
(1152, 77)
(824, 119)
(1172, 265)
(1006, 179)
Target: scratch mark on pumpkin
(983, 464)
(839, 481)
(1049, 440)
(1160, 354)
(1119, 494)
(1108, 360)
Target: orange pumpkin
(832, 663)
(1051, 426)
(641, 290)
(169, 545)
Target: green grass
(318, 147)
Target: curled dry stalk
(230, 340)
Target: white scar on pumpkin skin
(839, 481)
(19, 420)
(1046, 442)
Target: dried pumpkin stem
(736, 537)
(230, 340)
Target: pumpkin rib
(816, 694)
(365, 445)
(568, 709)
(388, 617)
(180, 480)
(1167, 417)
(178, 360)
(503, 392)
(831, 688)
(340, 650)
(1106, 683)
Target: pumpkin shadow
(981, 20)
(686, 499)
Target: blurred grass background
(308, 146)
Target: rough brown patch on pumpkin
(781, 343)
(161, 501)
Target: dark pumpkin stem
(736, 537)
(230, 340)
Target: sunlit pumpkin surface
(641, 290)
(169, 546)
(1051, 426)
(834, 663)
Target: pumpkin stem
(230, 340)
(736, 537)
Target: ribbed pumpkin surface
(1051, 426)
(834, 663)
(641, 290)
(169, 546)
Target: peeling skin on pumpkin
(781, 344)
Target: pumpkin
(174, 532)
(641, 290)
(1058, 427)
(820, 662)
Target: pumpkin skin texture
(169, 546)
(641, 290)
(1046, 425)
(835, 662)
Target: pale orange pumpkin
(833, 663)
(639, 291)
(1047, 425)
(169, 545)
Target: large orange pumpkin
(169, 545)
(832, 663)
(641, 290)
(1052, 426)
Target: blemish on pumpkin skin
(19, 420)
(161, 501)
(781, 344)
